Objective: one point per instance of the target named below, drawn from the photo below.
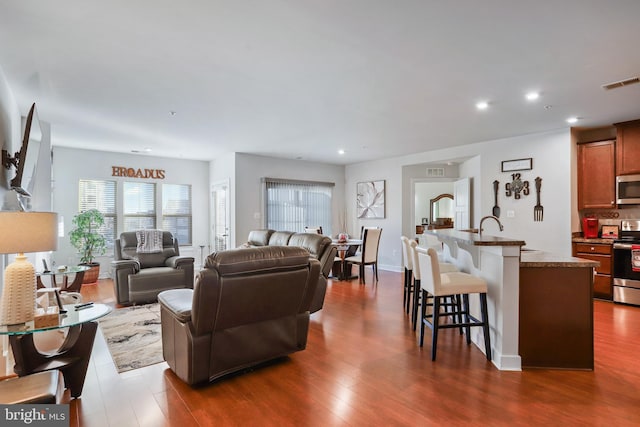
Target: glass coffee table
(72, 358)
(76, 284)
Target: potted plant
(88, 241)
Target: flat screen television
(26, 160)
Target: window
(100, 195)
(139, 206)
(176, 211)
(293, 205)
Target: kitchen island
(556, 311)
(496, 260)
(540, 310)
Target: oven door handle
(622, 246)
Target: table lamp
(23, 232)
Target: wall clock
(517, 186)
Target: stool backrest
(428, 262)
(407, 253)
(413, 245)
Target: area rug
(133, 336)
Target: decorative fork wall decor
(537, 209)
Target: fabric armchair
(139, 277)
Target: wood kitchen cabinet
(628, 148)
(596, 175)
(603, 279)
(552, 333)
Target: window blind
(176, 211)
(100, 195)
(294, 205)
(139, 205)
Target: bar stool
(407, 257)
(446, 284)
(445, 267)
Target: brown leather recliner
(248, 306)
(319, 247)
(140, 277)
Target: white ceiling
(305, 78)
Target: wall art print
(370, 202)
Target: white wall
(248, 188)
(390, 170)
(551, 153)
(9, 140)
(70, 165)
(472, 168)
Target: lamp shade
(23, 232)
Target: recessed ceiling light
(572, 120)
(147, 149)
(532, 96)
(482, 105)
(340, 152)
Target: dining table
(345, 248)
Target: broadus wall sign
(137, 173)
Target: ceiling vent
(621, 83)
(436, 172)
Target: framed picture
(517, 165)
(610, 231)
(370, 199)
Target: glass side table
(72, 358)
(76, 284)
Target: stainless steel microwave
(628, 189)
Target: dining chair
(440, 286)
(369, 254)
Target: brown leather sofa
(248, 306)
(319, 247)
(140, 277)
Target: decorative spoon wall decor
(496, 208)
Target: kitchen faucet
(487, 217)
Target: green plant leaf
(85, 236)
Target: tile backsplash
(611, 216)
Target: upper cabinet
(596, 175)
(628, 148)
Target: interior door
(220, 221)
(462, 203)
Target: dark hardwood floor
(362, 366)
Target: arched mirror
(441, 209)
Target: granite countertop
(533, 258)
(474, 239)
(592, 240)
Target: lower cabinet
(552, 333)
(601, 252)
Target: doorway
(424, 192)
(220, 235)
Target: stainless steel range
(626, 276)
